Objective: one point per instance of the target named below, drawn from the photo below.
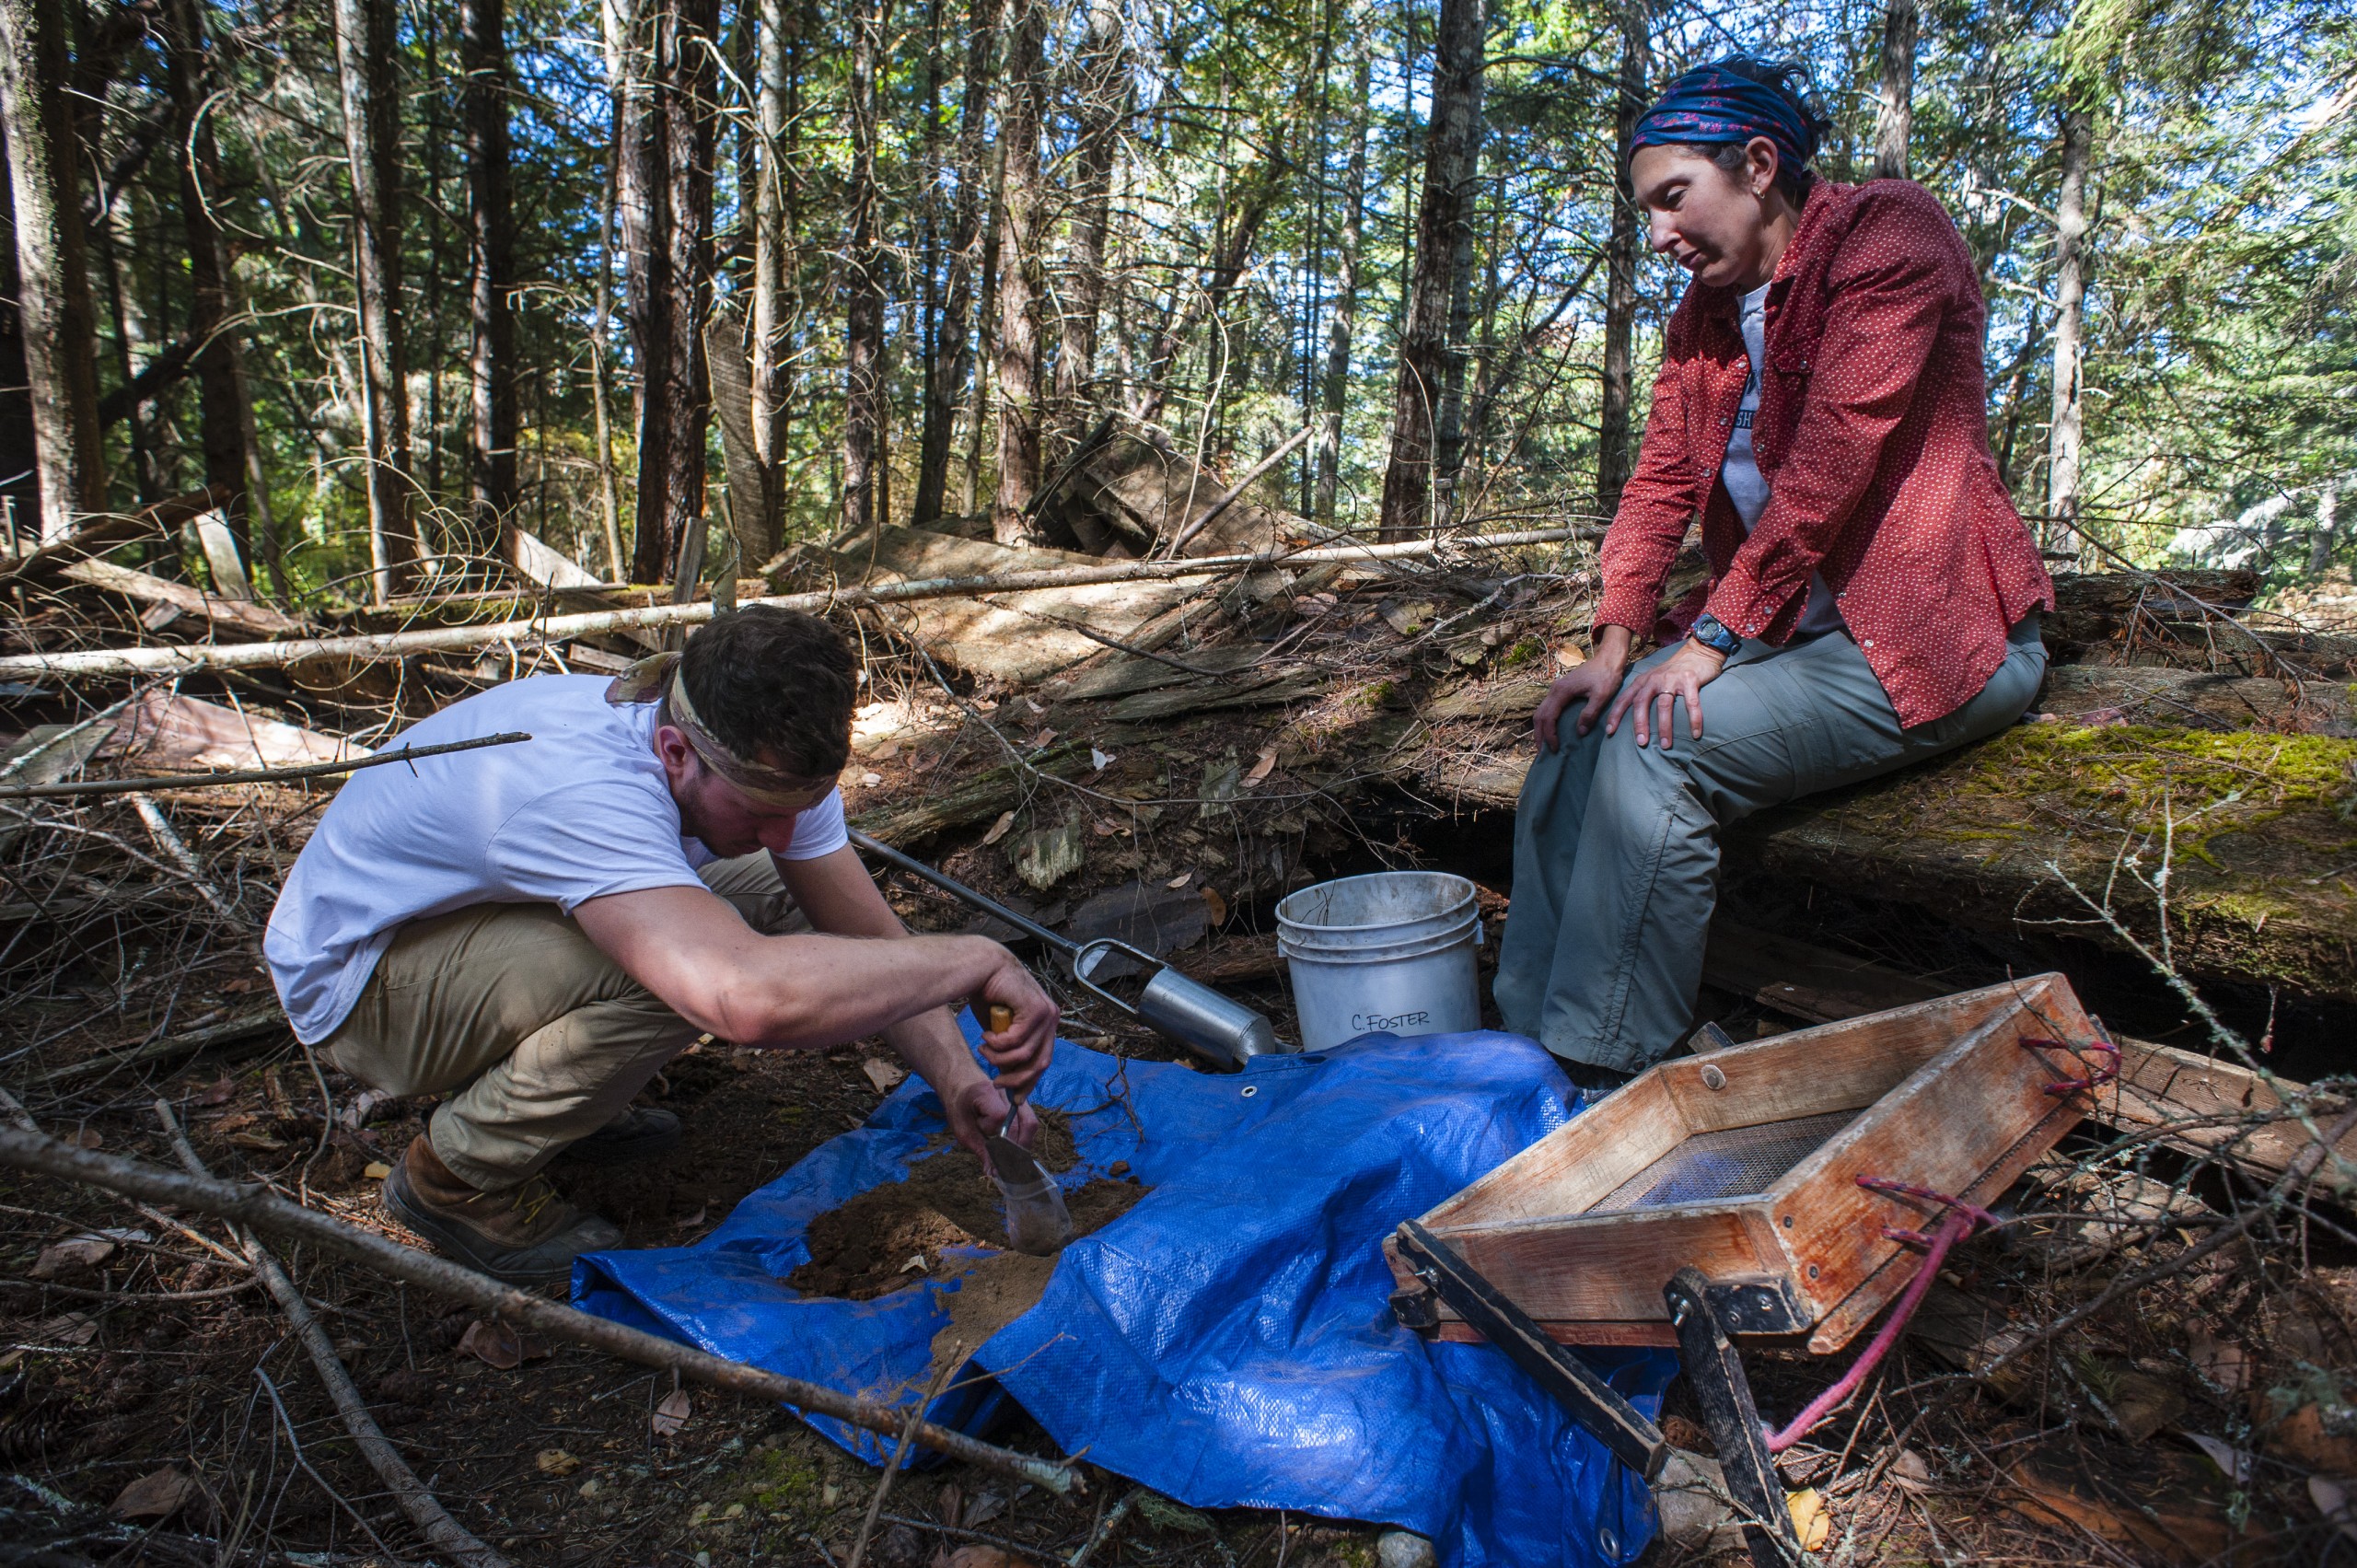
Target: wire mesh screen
(1735, 1163)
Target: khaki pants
(544, 1038)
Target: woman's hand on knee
(1590, 685)
(1654, 695)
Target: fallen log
(240, 614)
(190, 659)
(250, 1203)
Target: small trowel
(1037, 1221)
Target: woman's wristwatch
(1708, 631)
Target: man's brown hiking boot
(525, 1236)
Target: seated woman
(1873, 596)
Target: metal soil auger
(1185, 1011)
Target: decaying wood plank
(154, 523)
(163, 730)
(244, 615)
(1803, 980)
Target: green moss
(1375, 693)
(774, 1480)
(1522, 653)
(2138, 779)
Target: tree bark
(2067, 431)
(772, 242)
(492, 494)
(1018, 286)
(1346, 282)
(1449, 435)
(365, 57)
(600, 318)
(1452, 148)
(664, 202)
(953, 337)
(1101, 92)
(53, 286)
(1613, 458)
(1895, 118)
(863, 286)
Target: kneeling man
(534, 929)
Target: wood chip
(672, 1413)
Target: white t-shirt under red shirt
(580, 810)
(1746, 486)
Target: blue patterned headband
(1712, 104)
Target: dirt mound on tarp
(889, 1237)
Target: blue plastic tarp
(1228, 1341)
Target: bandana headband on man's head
(1712, 104)
(657, 679)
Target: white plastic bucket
(1392, 951)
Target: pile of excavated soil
(889, 1237)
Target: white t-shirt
(1746, 486)
(580, 810)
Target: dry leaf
(497, 1345)
(556, 1461)
(1910, 1472)
(261, 1142)
(1811, 1521)
(219, 1092)
(1044, 737)
(869, 781)
(999, 829)
(75, 1329)
(1100, 760)
(885, 751)
(985, 1557)
(1106, 827)
(671, 1414)
(81, 1252)
(1266, 765)
(2237, 1465)
(158, 1496)
(377, 1170)
(2332, 1501)
(2220, 1361)
(1570, 657)
(693, 1220)
(87, 1138)
(1180, 880)
(884, 1075)
(1216, 905)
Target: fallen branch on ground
(253, 775)
(254, 1205)
(425, 1510)
(189, 658)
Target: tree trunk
(1452, 148)
(772, 245)
(863, 286)
(53, 285)
(600, 331)
(1019, 285)
(1248, 205)
(1346, 284)
(1613, 458)
(1895, 117)
(1449, 435)
(1101, 88)
(222, 417)
(2066, 433)
(979, 393)
(365, 57)
(492, 494)
(953, 337)
(664, 198)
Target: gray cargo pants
(1616, 846)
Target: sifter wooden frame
(1945, 1097)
